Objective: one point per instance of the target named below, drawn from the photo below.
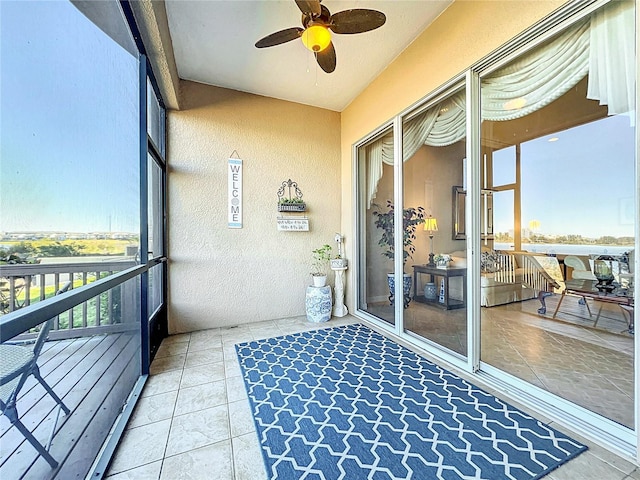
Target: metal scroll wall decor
(290, 200)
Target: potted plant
(339, 263)
(411, 218)
(320, 265)
(291, 205)
(442, 260)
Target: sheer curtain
(601, 46)
(612, 59)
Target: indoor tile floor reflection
(588, 366)
(193, 420)
(567, 356)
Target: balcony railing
(97, 374)
(25, 284)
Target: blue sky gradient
(69, 128)
(582, 184)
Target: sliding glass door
(525, 187)
(376, 286)
(434, 197)
(557, 272)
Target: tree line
(567, 239)
(25, 252)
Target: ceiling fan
(318, 22)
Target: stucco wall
(221, 276)
(465, 32)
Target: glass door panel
(155, 119)
(376, 187)
(155, 202)
(556, 306)
(434, 205)
(503, 218)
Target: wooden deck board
(34, 404)
(33, 397)
(32, 392)
(49, 352)
(51, 364)
(83, 373)
(101, 425)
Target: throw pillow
(489, 261)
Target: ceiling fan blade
(327, 59)
(283, 36)
(309, 7)
(358, 20)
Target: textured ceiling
(213, 43)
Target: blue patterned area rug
(348, 403)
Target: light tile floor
(193, 420)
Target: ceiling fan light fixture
(316, 38)
(317, 26)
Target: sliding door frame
(616, 437)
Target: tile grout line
(175, 405)
(277, 331)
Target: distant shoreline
(567, 248)
(72, 248)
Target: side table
(446, 274)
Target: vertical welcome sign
(235, 193)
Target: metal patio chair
(17, 363)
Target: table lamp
(431, 225)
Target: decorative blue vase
(406, 288)
(430, 291)
(318, 303)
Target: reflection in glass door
(376, 223)
(548, 316)
(155, 217)
(502, 214)
(434, 149)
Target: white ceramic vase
(319, 280)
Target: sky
(582, 183)
(69, 122)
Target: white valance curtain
(439, 126)
(538, 78)
(601, 45)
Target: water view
(567, 249)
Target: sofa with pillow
(507, 276)
(504, 278)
